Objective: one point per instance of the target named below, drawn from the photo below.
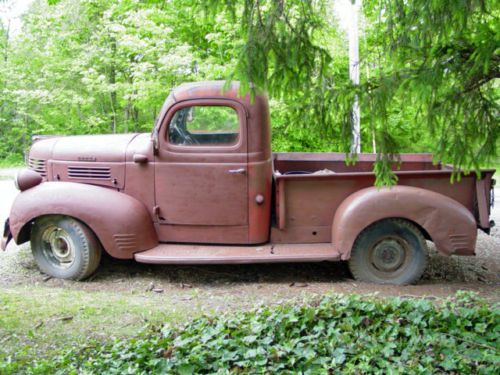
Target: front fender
(121, 222)
(448, 223)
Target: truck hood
(95, 148)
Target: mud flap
(7, 236)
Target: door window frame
(239, 146)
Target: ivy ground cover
(327, 335)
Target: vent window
(95, 173)
(37, 165)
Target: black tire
(64, 247)
(391, 251)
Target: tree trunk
(135, 116)
(354, 75)
(112, 82)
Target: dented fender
(122, 223)
(449, 224)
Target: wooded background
(429, 71)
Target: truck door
(201, 187)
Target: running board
(225, 254)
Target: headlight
(26, 179)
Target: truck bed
(311, 186)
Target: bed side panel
(309, 202)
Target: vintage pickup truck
(204, 188)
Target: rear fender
(448, 223)
(121, 222)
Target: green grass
(39, 320)
(334, 334)
(12, 161)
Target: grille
(38, 165)
(96, 173)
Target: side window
(204, 126)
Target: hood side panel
(92, 148)
(101, 174)
(89, 159)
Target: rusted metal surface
(204, 193)
(192, 200)
(448, 223)
(281, 204)
(259, 190)
(121, 222)
(139, 178)
(26, 179)
(483, 191)
(90, 148)
(335, 161)
(136, 191)
(206, 254)
(312, 200)
(99, 173)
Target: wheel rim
(389, 254)
(58, 247)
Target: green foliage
(339, 334)
(430, 74)
(436, 63)
(429, 71)
(96, 67)
(91, 67)
(213, 119)
(11, 161)
(286, 48)
(279, 53)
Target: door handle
(238, 171)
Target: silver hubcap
(388, 255)
(58, 247)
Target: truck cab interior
(204, 125)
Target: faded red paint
(455, 235)
(139, 193)
(120, 221)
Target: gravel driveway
(244, 284)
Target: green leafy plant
(429, 72)
(334, 334)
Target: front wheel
(64, 247)
(391, 251)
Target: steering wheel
(182, 137)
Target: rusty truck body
(204, 187)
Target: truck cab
(213, 166)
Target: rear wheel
(64, 247)
(391, 251)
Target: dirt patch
(218, 287)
